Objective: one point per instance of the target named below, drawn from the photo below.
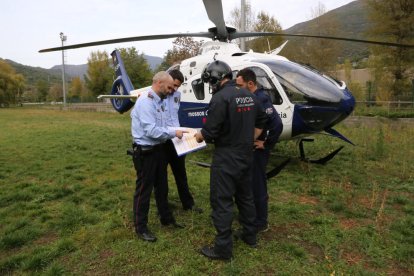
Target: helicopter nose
(318, 116)
(348, 102)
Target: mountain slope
(352, 20)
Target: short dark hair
(247, 75)
(176, 75)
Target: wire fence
(385, 108)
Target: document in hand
(188, 143)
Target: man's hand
(258, 144)
(180, 133)
(199, 137)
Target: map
(188, 143)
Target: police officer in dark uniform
(246, 78)
(176, 162)
(235, 118)
(149, 132)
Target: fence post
(412, 90)
(369, 87)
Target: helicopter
(307, 101)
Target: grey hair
(161, 76)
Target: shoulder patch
(269, 111)
(150, 95)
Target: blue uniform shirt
(172, 103)
(149, 121)
(274, 126)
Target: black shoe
(195, 209)
(262, 228)
(209, 253)
(238, 235)
(147, 236)
(173, 223)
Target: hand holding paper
(188, 142)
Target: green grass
(66, 187)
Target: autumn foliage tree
(100, 74)
(183, 48)
(393, 21)
(11, 84)
(137, 67)
(266, 23)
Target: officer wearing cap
(246, 78)
(235, 118)
(177, 163)
(149, 132)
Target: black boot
(211, 254)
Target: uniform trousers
(259, 185)
(151, 168)
(230, 177)
(177, 164)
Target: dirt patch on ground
(348, 223)
(46, 239)
(283, 231)
(308, 200)
(353, 258)
(352, 223)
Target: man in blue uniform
(235, 118)
(246, 78)
(177, 163)
(149, 132)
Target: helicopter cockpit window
(174, 67)
(198, 88)
(303, 85)
(264, 81)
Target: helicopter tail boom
(122, 85)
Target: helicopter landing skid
(277, 169)
(322, 160)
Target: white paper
(188, 142)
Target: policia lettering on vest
(235, 119)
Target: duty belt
(141, 148)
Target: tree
(235, 19)
(266, 23)
(137, 67)
(183, 48)
(11, 84)
(100, 74)
(42, 89)
(77, 90)
(55, 93)
(393, 21)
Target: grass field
(66, 187)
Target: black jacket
(233, 114)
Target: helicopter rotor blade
(128, 39)
(252, 34)
(214, 10)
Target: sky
(28, 26)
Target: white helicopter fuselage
(193, 104)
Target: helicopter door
(194, 102)
(284, 108)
